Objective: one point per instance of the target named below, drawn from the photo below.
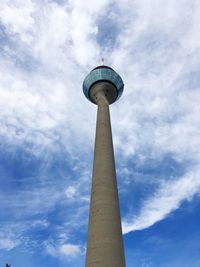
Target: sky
(47, 128)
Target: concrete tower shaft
(105, 242)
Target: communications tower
(103, 86)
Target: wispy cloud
(167, 198)
(65, 250)
(8, 243)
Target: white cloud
(40, 223)
(169, 197)
(70, 192)
(65, 250)
(9, 238)
(69, 250)
(16, 16)
(8, 243)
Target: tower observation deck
(103, 86)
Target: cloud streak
(167, 198)
(64, 250)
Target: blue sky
(47, 128)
